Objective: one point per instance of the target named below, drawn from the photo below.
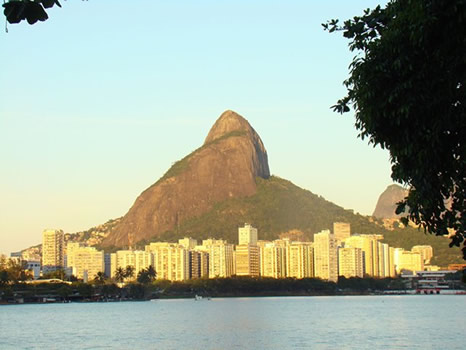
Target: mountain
(225, 183)
(386, 205)
(226, 166)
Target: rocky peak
(228, 122)
(231, 124)
(226, 166)
(386, 205)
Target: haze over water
(358, 322)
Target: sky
(98, 102)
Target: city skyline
(115, 96)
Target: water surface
(356, 322)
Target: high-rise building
(138, 259)
(325, 256)
(392, 269)
(272, 259)
(171, 261)
(220, 257)
(247, 235)
(426, 251)
(300, 260)
(341, 230)
(247, 253)
(247, 260)
(198, 263)
(350, 262)
(408, 261)
(366, 244)
(188, 243)
(53, 257)
(84, 261)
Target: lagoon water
(353, 322)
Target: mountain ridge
(225, 166)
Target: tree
(151, 273)
(16, 271)
(407, 86)
(4, 278)
(146, 276)
(16, 11)
(100, 278)
(129, 271)
(120, 274)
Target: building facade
(53, 257)
(350, 262)
(325, 256)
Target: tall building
(272, 259)
(198, 264)
(325, 256)
(171, 261)
(53, 257)
(188, 243)
(85, 262)
(350, 262)
(426, 252)
(138, 259)
(300, 260)
(408, 261)
(247, 235)
(247, 260)
(220, 257)
(247, 252)
(366, 244)
(392, 269)
(341, 230)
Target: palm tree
(100, 278)
(120, 274)
(151, 273)
(129, 271)
(143, 277)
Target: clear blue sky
(98, 101)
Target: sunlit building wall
(350, 262)
(247, 235)
(188, 243)
(171, 261)
(341, 230)
(53, 257)
(220, 257)
(426, 251)
(138, 259)
(199, 264)
(247, 260)
(368, 244)
(325, 256)
(300, 260)
(272, 260)
(85, 261)
(408, 261)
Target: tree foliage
(32, 11)
(146, 276)
(407, 87)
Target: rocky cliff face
(226, 166)
(386, 205)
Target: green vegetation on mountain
(280, 206)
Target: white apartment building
(325, 256)
(52, 250)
